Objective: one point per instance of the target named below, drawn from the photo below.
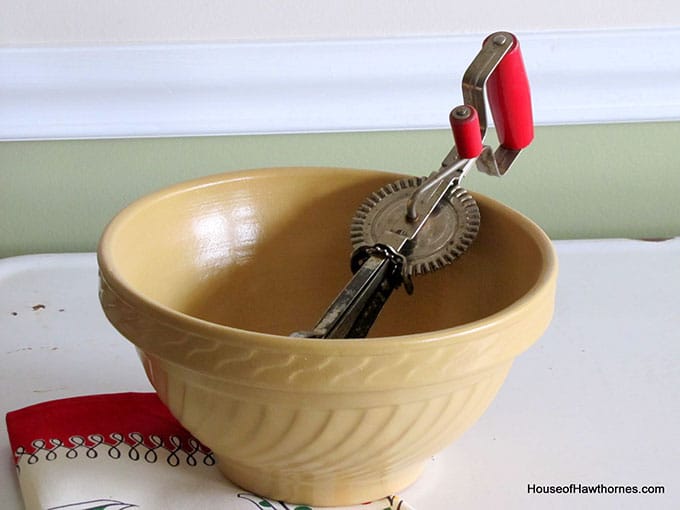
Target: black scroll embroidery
(113, 450)
(174, 450)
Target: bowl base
(324, 491)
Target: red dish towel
(122, 450)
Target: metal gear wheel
(446, 235)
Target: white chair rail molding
(378, 84)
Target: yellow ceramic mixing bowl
(207, 279)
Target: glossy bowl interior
(208, 278)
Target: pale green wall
(576, 182)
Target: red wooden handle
(510, 100)
(466, 133)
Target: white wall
(64, 22)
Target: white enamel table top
(595, 402)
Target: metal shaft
(355, 309)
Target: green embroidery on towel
(263, 504)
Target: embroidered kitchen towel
(123, 450)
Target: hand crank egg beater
(421, 224)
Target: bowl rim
(543, 287)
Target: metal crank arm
(498, 73)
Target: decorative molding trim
(323, 86)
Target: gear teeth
(463, 203)
(364, 209)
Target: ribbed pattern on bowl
(321, 449)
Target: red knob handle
(510, 100)
(466, 133)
